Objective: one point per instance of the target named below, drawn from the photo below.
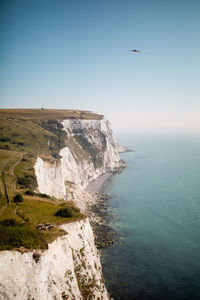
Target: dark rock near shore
(104, 234)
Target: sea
(155, 203)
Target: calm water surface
(157, 203)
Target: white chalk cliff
(90, 151)
(69, 269)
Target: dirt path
(11, 171)
(34, 141)
(6, 194)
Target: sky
(75, 54)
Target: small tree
(66, 212)
(18, 198)
(9, 222)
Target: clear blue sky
(74, 54)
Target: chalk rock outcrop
(90, 152)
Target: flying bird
(135, 51)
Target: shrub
(9, 222)
(24, 159)
(27, 181)
(20, 143)
(4, 139)
(43, 195)
(18, 198)
(66, 212)
(30, 193)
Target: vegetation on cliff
(33, 222)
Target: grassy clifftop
(59, 114)
(33, 223)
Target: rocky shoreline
(105, 236)
(99, 214)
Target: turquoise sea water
(157, 200)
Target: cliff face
(69, 269)
(90, 151)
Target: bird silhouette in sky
(135, 51)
